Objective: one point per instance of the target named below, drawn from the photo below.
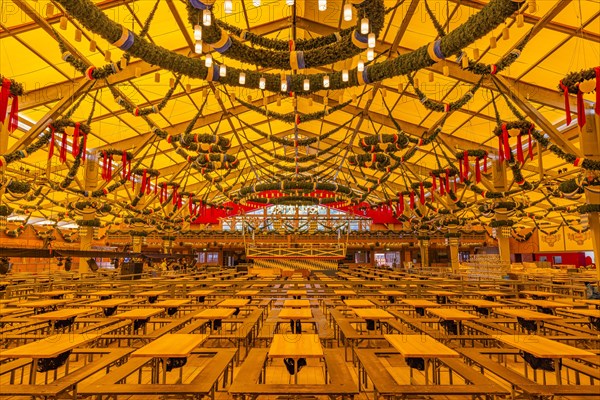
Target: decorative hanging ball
(107, 56)
(92, 45)
(63, 23)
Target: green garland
(94, 223)
(150, 172)
(501, 223)
(280, 59)
(573, 79)
(155, 109)
(491, 15)
(17, 155)
(291, 117)
(5, 210)
(585, 163)
(470, 153)
(445, 107)
(588, 208)
(18, 187)
(138, 233)
(16, 88)
(505, 62)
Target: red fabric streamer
(485, 162)
(175, 194)
(4, 95)
(433, 183)
(422, 193)
(104, 165)
(466, 168)
(412, 200)
(63, 149)
(144, 177)
(507, 152)
(460, 171)
(109, 168)
(477, 171)
(75, 146)
(565, 90)
(520, 150)
(401, 204)
(442, 189)
(51, 147)
(597, 108)
(580, 109)
(448, 178)
(163, 193)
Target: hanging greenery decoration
(437, 106)
(578, 83)
(491, 15)
(294, 118)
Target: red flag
(477, 171)
(401, 204)
(412, 200)
(422, 193)
(485, 162)
(63, 148)
(565, 90)
(75, 147)
(466, 169)
(597, 108)
(4, 95)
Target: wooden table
(372, 315)
(109, 306)
(343, 293)
(593, 302)
(171, 305)
(295, 315)
(55, 294)
(528, 319)
(152, 295)
(215, 315)
(57, 348)
(545, 306)
(539, 295)
(200, 294)
(62, 318)
(490, 294)
(421, 348)
(356, 303)
(296, 303)
(441, 296)
(593, 315)
(296, 347)
(105, 294)
(11, 310)
(42, 305)
(173, 349)
(296, 293)
(247, 293)
(139, 316)
(420, 305)
(451, 319)
(542, 351)
(482, 306)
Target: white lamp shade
(326, 81)
(242, 79)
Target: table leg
(426, 360)
(557, 368)
(32, 371)
(164, 371)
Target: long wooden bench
(349, 336)
(205, 384)
(384, 384)
(67, 385)
(249, 382)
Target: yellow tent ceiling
(566, 38)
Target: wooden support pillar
(499, 181)
(453, 243)
(86, 233)
(424, 247)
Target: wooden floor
(20, 328)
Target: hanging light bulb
(289, 2)
(364, 26)
(208, 62)
(198, 47)
(306, 85)
(206, 17)
(228, 6)
(345, 75)
(262, 83)
(347, 12)
(361, 65)
(242, 79)
(284, 85)
(322, 5)
(197, 32)
(371, 39)
(370, 54)
(222, 70)
(326, 81)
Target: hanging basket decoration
(420, 187)
(441, 180)
(65, 127)
(578, 83)
(464, 158)
(9, 93)
(517, 129)
(145, 183)
(108, 156)
(373, 143)
(376, 161)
